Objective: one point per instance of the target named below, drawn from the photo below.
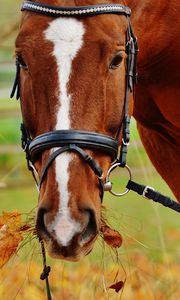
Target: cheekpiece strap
(131, 80)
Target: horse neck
(152, 22)
(147, 11)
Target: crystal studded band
(57, 11)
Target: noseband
(75, 140)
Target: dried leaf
(117, 286)
(12, 220)
(111, 236)
(11, 234)
(8, 247)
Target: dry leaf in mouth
(111, 236)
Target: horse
(72, 73)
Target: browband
(84, 139)
(57, 11)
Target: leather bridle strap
(83, 139)
(131, 80)
(87, 158)
(46, 270)
(149, 193)
(75, 11)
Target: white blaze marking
(67, 36)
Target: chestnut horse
(72, 77)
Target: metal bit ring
(108, 175)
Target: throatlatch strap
(149, 193)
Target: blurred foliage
(9, 23)
(91, 279)
(6, 75)
(10, 132)
(144, 277)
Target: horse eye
(21, 62)
(116, 61)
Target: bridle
(75, 140)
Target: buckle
(125, 143)
(145, 191)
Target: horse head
(72, 81)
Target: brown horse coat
(157, 100)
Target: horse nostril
(79, 237)
(40, 225)
(91, 228)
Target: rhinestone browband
(56, 11)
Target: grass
(23, 199)
(10, 13)
(10, 132)
(9, 106)
(142, 217)
(6, 76)
(9, 8)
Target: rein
(46, 271)
(75, 140)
